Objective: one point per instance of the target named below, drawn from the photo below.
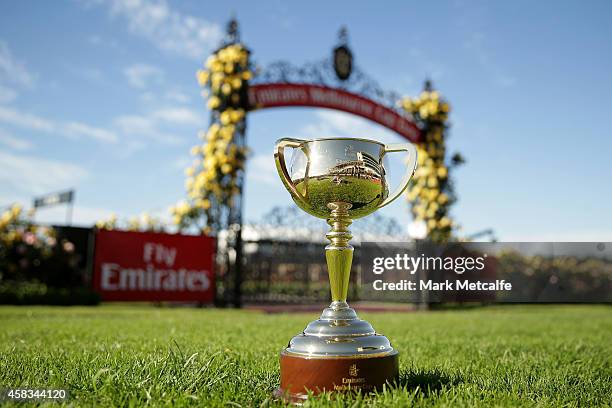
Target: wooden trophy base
(300, 374)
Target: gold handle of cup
(410, 168)
(281, 166)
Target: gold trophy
(339, 180)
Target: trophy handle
(410, 168)
(281, 166)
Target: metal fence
(288, 272)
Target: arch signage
(274, 95)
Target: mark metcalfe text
(412, 264)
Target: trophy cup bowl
(339, 180)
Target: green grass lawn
(131, 356)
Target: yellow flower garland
(212, 179)
(430, 193)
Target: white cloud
(13, 142)
(173, 96)
(98, 40)
(182, 116)
(32, 175)
(476, 45)
(70, 129)
(145, 126)
(134, 124)
(160, 125)
(182, 162)
(177, 96)
(262, 168)
(13, 75)
(7, 94)
(169, 29)
(95, 40)
(12, 70)
(142, 75)
(77, 129)
(145, 77)
(25, 120)
(432, 68)
(90, 74)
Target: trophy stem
(339, 253)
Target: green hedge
(34, 293)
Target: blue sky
(101, 96)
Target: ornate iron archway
(234, 89)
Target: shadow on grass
(427, 381)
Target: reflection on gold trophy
(339, 180)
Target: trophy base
(301, 374)
(336, 353)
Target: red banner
(144, 266)
(284, 94)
